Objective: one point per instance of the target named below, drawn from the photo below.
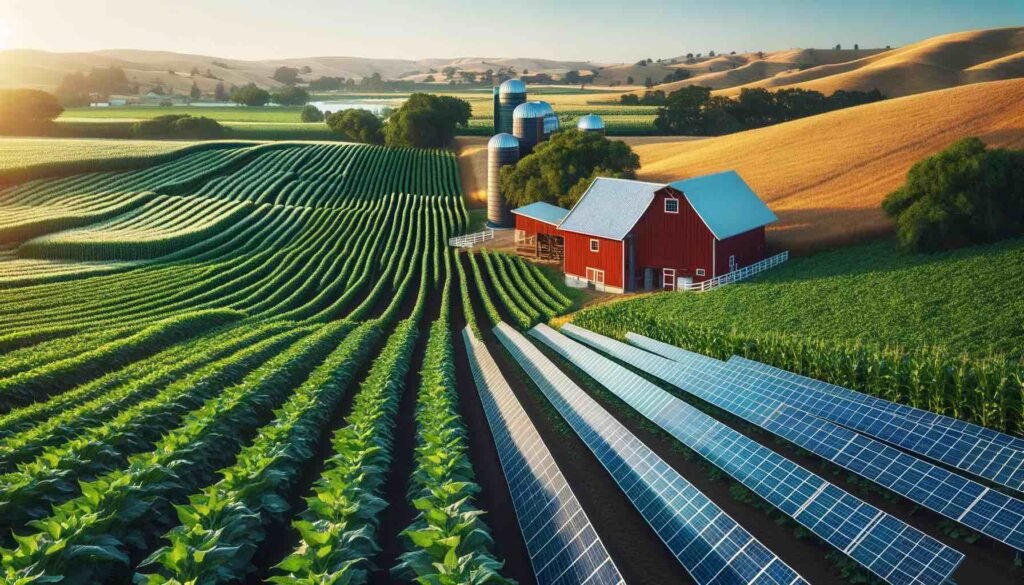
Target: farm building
(627, 235)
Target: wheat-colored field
(936, 63)
(825, 176)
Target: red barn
(630, 235)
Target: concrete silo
(511, 93)
(528, 121)
(502, 150)
(591, 123)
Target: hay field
(936, 63)
(825, 176)
(21, 152)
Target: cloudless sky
(595, 30)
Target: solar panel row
(709, 544)
(766, 402)
(990, 455)
(563, 546)
(883, 544)
(986, 453)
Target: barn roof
(610, 208)
(726, 203)
(542, 211)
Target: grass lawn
(969, 300)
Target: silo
(496, 115)
(591, 123)
(502, 150)
(511, 93)
(528, 125)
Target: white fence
(738, 275)
(470, 240)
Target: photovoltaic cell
(563, 546)
(769, 403)
(883, 544)
(709, 544)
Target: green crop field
(221, 114)
(237, 362)
(929, 330)
(16, 153)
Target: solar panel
(983, 452)
(563, 546)
(883, 544)
(710, 545)
(768, 403)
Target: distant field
(221, 114)
(825, 176)
(21, 152)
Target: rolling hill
(936, 63)
(825, 176)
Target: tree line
(693, 111)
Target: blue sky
(598, 30)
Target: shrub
(966, 194)
(357, 125)
(250, 95)
(26, 109)
(178, 126)
(312, 114)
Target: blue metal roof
(542, 211)
(726, 203)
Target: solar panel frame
(696, 531)
(563, 545)
(791, 488)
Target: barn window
(671, 205)
(700, 272)
(594, 245)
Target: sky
(603, 31)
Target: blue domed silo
(511, 93)
(502, 150)
(528, 122)
(591, 123)
(551, 122)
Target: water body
(377, 107)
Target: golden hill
(936, 63)
(825, 176)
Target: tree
(357, 125)
(194, 93)
(560, 169)
(27, 110)
(711, 54)
(856, 47)
(286, 75)
(426, 121)
(963, 195)
(468, 76)
(683, 111)
(676, 75)
(648, 82)
(219, 93)
(571, 77)
(449, 72)
(178, 126)
(629, 99)
(306, 69)
(290, 96)
(250, 95)
(326, 84)
(312, 114)
(629, 80)
(429, 79)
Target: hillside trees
(250, 95)
(290, 96)
(180, 126)
(76, 89)
(426, 121)
(966, 194)
(23, 110)
(357, 125)
(560, 169)
(286, 75)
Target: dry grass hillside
(825, 176)
(936, 63)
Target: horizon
(486, 31)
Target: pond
(377, 107)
